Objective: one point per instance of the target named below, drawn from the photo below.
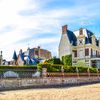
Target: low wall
(9, 84)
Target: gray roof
(88, 39)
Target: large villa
(82, 45)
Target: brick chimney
(64, 29)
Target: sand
(89, 92)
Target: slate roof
(88, 38)
(15, 55)
(72, 37)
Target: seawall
(17, 83)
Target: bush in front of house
(69, 69)
(50, 67)
(93, 70)
(82, 69)
(67, 60)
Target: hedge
(52, 68)
(18, 67)
(67, 69)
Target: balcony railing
(95, 56)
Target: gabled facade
(20, 59)
(67, 40)
(82, 45)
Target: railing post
(44, 71)
(77, 71)
(62, 70)
(97, 72)
(88, 72)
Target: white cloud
(21, 16)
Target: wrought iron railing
(95, 56)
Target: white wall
(64, 46)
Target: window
(81, 42)
(81, 53)
(36, 52)
(96, 53)
(86, 52)
(74, 61)
(75, 53)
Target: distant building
(82, 45)
(40, 53)
(4, 62)
(31, 56)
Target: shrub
(69, 69)
(54, 60)
(67, 60)
(82, 69)
(92, 70)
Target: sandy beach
(88, 92)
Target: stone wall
(9, 84)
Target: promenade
(87, 92)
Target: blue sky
(38, 22)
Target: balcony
(95, 56)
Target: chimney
(64, 29)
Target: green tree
(54, 60)
(67, 60)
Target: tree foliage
(54, 60)
(67, 60)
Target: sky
(32, 23)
